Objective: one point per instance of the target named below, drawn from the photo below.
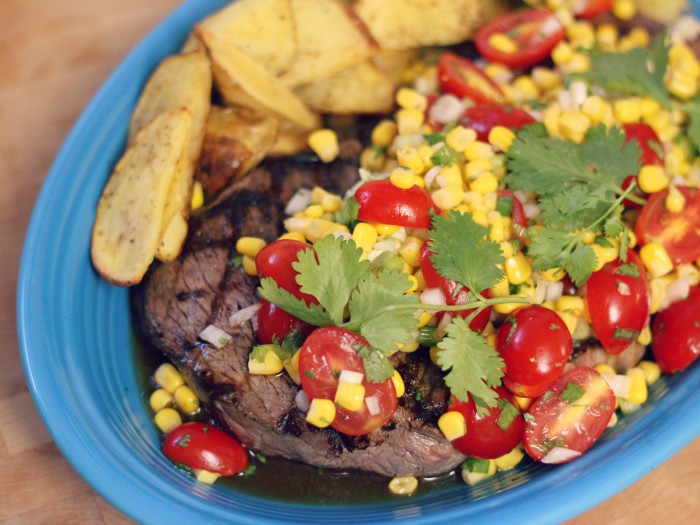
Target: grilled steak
(177, 301)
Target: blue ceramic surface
(77, 350)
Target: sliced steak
(177, 301)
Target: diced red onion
(243, 315)
(215, 336)
(554, 291)
(560, 455)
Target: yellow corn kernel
(651, 370)
(579, 63)
(551, 120)
(681, 85)
(160, 398)
(321, 412)
(372, 159)
(291, 365)
(408, 157)
(331, 203)
(510, 460)
(167, 420)
(317, 194)
(403, 178)
(186, 400)
(423, 319)
(570, 320)
(478, 150)
(607, 35)
(459, 137)
(450, 175)
(384, 133)
(638, 388)
(627, 110)
(408, 98)
(675, 201)
(426, 152)
(570, 303)
(197, 196)
(526, 85)
(249, 266)
(324, 143)
(250, 245)
(605, 369)
(479, 217)
(639, 36)
(364, 235)
(410, 250)
(597, 110)
(501, 288)
(502, 42)
(477, 167)
(350, 396)
(205, 476)
(409, 121)
(656, 259)
(553, 275)
(657, 290)
(168, 377)
(453, 425)
(562, 53)
(573, 125)
(269, 366)
(484, 183)
(420, 280)
(385, 229)
(448, 197)
(410, 346)
(507, 249)
(652, 178)
(649, 106)
(497, 230)
(294, 236)
(605, 254)
(581, 34)
(644, 337)
(399, 386)
(501, 137)
(403, 486)
(624, 9)
(472, 478)
(518, 269)
(434, 353)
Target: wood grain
(54, 56)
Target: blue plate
(77, 351)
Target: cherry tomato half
(274, 324)
(589, 9)
(380, 201)
(535, 344)
(483, 117)
(676, 334)
(324, 355)
(202, 446)
(517, 212)
(618, 301)
(463, 79)
(454, 293)
(572, 414)
(492, 435)
(678, 233)
(534, 31)
(275, 260)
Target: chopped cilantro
(184, 441)
(571, 392)
(347, 215)
(528, 417)
(554, 326)
(626, 334)
(446, 156)
(476, 465)
(434, 138)
(507, 415)
(629, 269)
(237, 261)
(504, 205)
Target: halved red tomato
(534, 31)
(483, 117)
(676, 334)
(569, 417)
(274, 324)
(275, 260)
(492, 435)
(508, 199)
(588, 9)
(463, 79)
(618, 301)
(678, 233)
(380, 201)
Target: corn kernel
(350, 396)
(403, 178)
(627, 110)
(410, 250)
(270, 365)
(410, 99)
(324, 142)
(249, 266)
(624, 9)
(472, 478)
(450, 175)
(478, 150)
(197, 196)
(484, 183)
(423, 319)
(570, 321)
(403, 485)
(294, 236)
(372, 159)
(639, 36)
(160, 398)
(167, 420)
(523, 403)
(205, 476)
(675, 201)
(408, 157)
(604, 254)
(291, 365)
(553, 275)
(385, 229)
(651, 370)
(453, 425)
(321, 412)
(545, 79)
(409, 121)
(551, 120)
(581, 34)
(502, 42)
(681, 85)
(479, 217)
(364, 235)
(399, 386)
(638, 388)
(579, 63)
(186, 400)
(562, 53)
(421, 281)
(644, 337)
(607, 35)
(657, 290)
(652, 178)
(434, 354)
(525, 85)
(459, 137)
(518, 269)
(570, 303)
(501, 137)
(656, 259)
(497, 226)
(510, 460)
(331, 203)
(605, 369)
(573, 125)
(477, 167)
(168, 377)
(250, 245)
(384, 133)
(448, 197)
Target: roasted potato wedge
(129, 221)
(359, 89)
(289, 142)
(243, 81)
(235, 141)
(330, 38)
(407, 24)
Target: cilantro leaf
(638, 71)
(692, 108)
(552, 248)
(312, 314)
(378, 368)
(330, 272)
(347, 215)
(371, 309)
(446, 156)
(472, 364)
(463, 252)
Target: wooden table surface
(53, 58)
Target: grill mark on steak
(177, 300)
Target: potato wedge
(394, 63)
(330, 38)
(407, 24)
(236, 140)
(289, 142)
(243, 81)
(129, 220)
(358, 89)
(262, 29)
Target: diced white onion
(430, 176)
(342, 234)
(540, 290)
(447, 108)
(433, 296)
(560, 455)
(678, 290)
(554, 291)
(565, 100)
(350, 376)
(302, 401)
(579, 93)
(685, 29)
(215, 335)
(299, 201)
(441, 329)
(387, 245)
(243, 315)
(373, 407)
(550, 26)
(619, 384)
